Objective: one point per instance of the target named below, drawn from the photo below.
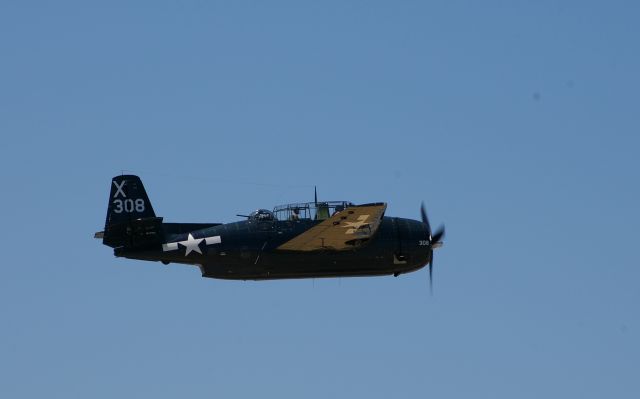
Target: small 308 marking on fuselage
(423, 242)
(128, 205)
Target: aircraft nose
(422, 240)
(422, 231)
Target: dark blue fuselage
(247, 250)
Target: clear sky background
(516, 122)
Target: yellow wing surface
(344, 230)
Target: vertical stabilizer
(128, 200)
(131, 220)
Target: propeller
(434, 242)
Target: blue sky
(515, 121)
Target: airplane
(299, 240)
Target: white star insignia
(192, 244)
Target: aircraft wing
(344, 230)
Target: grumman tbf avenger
(303, 240)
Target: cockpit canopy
(305, 210)
(310, 210)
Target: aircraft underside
(271, 266)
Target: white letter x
(119, 189)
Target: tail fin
(128, 200)
(131, 220)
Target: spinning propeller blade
(431, 274)
(439, 235)
(425, 219)
(434, 240)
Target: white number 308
(128, 205)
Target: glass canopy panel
(310, 210)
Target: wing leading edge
(344, 230)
